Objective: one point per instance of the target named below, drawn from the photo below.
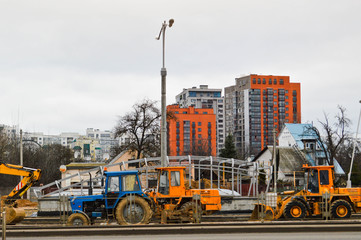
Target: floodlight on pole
(163, 73)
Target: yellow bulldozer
(318, 197)
(30, 176)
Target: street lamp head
(171, 21)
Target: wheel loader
(176, 201)
(318, 197)
(30, 176)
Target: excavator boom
(30, 176)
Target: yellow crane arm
(30, 176)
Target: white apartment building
(106, 142)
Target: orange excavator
(30, 176)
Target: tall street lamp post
(353, 151)
(163, 74)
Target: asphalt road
(238, 236)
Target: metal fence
(222, 173)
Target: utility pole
(21, 151)
(353, 152)
(274, 162)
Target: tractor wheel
(295, 210)
(135, 211)
(77, 219)
(341, 209)
(187, 210)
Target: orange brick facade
(282, 106)
(192, 132)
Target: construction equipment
(30, 176)
(122, 200)
(319, 196)
(175, 201)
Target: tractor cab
(318, 179)
(120, 183)
(171, 181)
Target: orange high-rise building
(192, 131)
(256, 105)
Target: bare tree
(3, 144)
(142, 125)
(335, 134)
(201, 147)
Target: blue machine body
(117, 186)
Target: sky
(74, 64)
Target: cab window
(130, 183)
(324, 180)
(313, 181)
(175, 178)
(113, 184)
(163, 183)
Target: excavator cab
(171, 181)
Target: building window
(184, 112)
(275, 103)
(199, 129)
(281, 81)
(274, 81)
(254, 81)
(270, 81)
(176, 112)
(196, 112)
(199, 123)
(264, 81)
(205, 112)
(259, 81)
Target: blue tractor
(122, 200)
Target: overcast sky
(68, 65)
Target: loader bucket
(268, 213)
(14, 215)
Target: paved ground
(248, 236)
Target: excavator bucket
(268, 213)
(14, 215)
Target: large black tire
(187, 210)
(134, 212)
(78, 219)
(295, 210)
(341, 209)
